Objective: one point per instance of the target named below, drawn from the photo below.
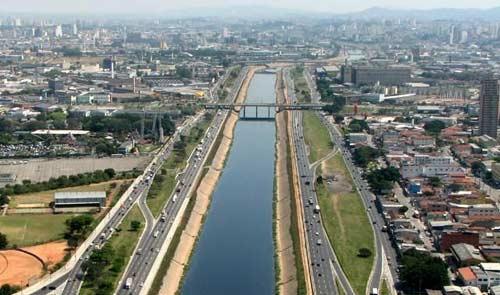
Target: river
(235, 251)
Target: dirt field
(43, 169)
(21, 269)
(175, 272)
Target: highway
(70, 281)
(385, 253)
(147, 253)
(324, 266)
(112, 221)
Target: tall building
(58, 31)
(368, 75)
(488, 116)
(452, 35)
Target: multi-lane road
(385, 260)
(385, 253)
(156, 231)
(112, 220)
(140, 270)
(324, 268)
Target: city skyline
(162, 6)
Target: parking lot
(38, 170)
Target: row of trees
(64, 181)
(124, 123)
(97, 268)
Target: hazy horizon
(164, 6)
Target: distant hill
(430, 14)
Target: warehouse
(79, 201)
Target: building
(56, 85)
(488, 114)
(483, 211)
(357, 138)
(79, 201)
(452, 237)
(368, 75)
(126, 147)
(466, 254)
(430, 166)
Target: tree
(110, 172)
(339, 119)
(358, 125)
(403, 210)
(8, 289)
(364, 252)
(364, 155)
(77, 228)
(135, 225)
(3, 241)
(434, 127)
(435, 181)
(477, 168)
(421, 271)
(382, 180)
(4, 199)
(183, 72)
(455, 187)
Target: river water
(235, 251)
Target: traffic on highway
(324, 268)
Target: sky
(145, 6)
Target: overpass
(267, 110)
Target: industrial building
(369, 75)
(79, 201)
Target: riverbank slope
(173, 278)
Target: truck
(316, 209)
(128, 283)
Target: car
(316, 233)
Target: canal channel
(235, 251)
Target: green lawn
(123, 243)
(348, 228)
(316, 136)
(164, 184)
(342, 211)
(160, 191)
(27, 230)
(301, 88)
